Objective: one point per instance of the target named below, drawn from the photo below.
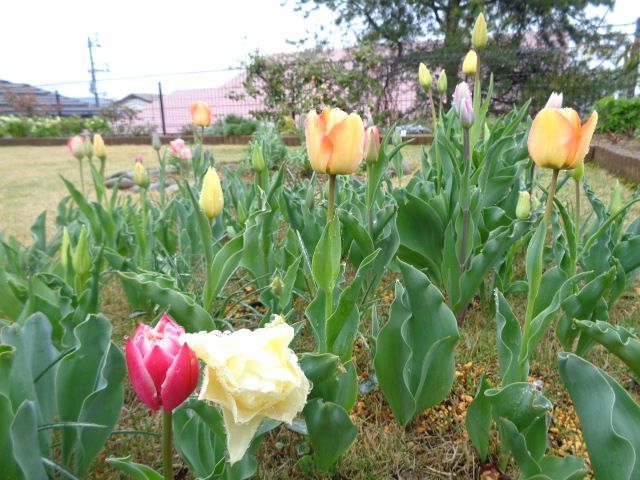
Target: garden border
(619, 162)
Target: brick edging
(624, 164)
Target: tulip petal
(140, 379)
(319, 147)
(239, 435)
(347, 138)
(332, 117)
(181, 379)
(157, 362)
(551, 139)
(586, 135)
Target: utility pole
(93, 88)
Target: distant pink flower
(139, 157)
(176, 147)
(162, 368)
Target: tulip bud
(523, 208)
(470, 64)
(81, 260)
(616, 199)
(578, 172)
(479, 36)
(99, 149)
(88, 147)
(76, 146)
(162, 368)
(211, 197)
(277, 286)
(424, 76)
(156, 143)
(463, 104)
(372, 147)
(65, 249)
(257, 159)
(555, 100)
(535, 203)
(441, 86)
(140, 176)
(200, 114)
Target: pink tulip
(185, 154)
(162, 368)
(463, 104)
(76, 146)
(176, 147)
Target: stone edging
(622, 163)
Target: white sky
(45, 42)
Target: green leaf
(478, 421)
(10, 468)
(24, 437)
(225, 262)
(508, 340)
(326, 257)
(609, 418)
(10, 306)
(322, 370)
(618, 340)
(628, 252)
(182, 308)
(135, 471)
(414, 358)
(330, 431)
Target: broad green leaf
(618, 340)
(330, 431)
(24, 437)
(609, 418)
(10, 468)
(135, 471)
(225, 262)
(508, 340)
(326, 257)
(478, 421)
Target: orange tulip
(558, 140)
(200, 114)
(335, 141)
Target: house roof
(40, 101)
(145, 97)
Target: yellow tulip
(557, 140)
(211, 197)
(335, 141)
(424, 76)
(470, 64)
(479, 36)
(140, 175)
(99, 149)
(200, 114)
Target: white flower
(251, 375)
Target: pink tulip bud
(139, 158)
(372, 147)
(463, 104)
(76, 146)
(162, 368)
(555, 100)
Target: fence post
(164, 127)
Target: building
(24, 99)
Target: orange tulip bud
(200, 114)
(558, 140)
(335, 141)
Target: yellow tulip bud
(578, 172)
(156, 143)
(257, 159)
(140, 176)
(335, 141)
(557, 140)
(81, 260)
(470, 64)
(424, 76)
(99, 150)
(211, 197)
(479, 36)
(277, 286)
(442, 82)
(523, 207)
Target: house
(136, 101)
(24, 99)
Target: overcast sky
(45, 42)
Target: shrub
(620, 115)
(51, 126)
(268, 135)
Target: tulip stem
(433, 112)
(577, 221)
(332, 194)
(551, 194)
(167, 464)
(370, 207)
(81, 176)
